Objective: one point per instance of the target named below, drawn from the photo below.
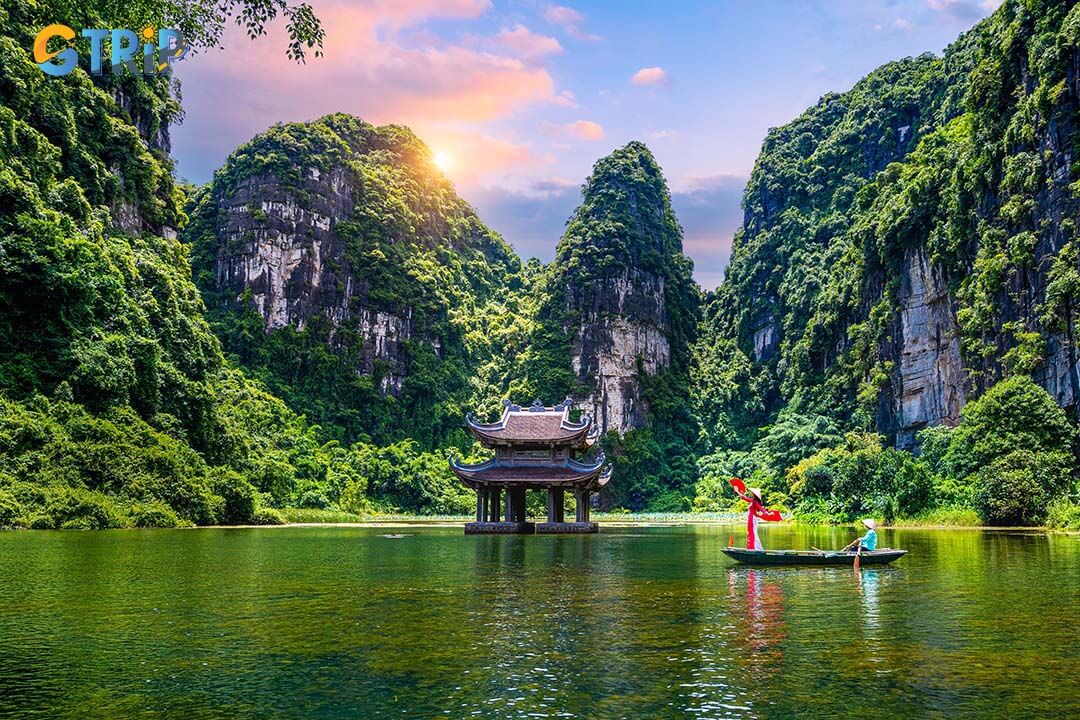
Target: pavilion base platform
(566, 528)
(500, 528)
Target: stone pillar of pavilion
(536, 448)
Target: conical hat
(756, 492)
(869, 522)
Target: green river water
(650, 622)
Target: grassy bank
(299, 516)
(939, 518)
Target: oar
(858, 554)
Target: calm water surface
(634, 622)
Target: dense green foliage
(133, 395)
(960, 162)
(117, 407)
(120, 407)
(942, 156)
(1011, 459)
(860, 478)
(202, 22)
(799, 264)
(93, 315)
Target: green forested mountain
(341, 268)
(617, 314)
(907, 245)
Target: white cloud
(526, 43)
(584, 130)
(372, 73)
(569, 20)
(650, 76)
(966, 11)
(565, 99)
(562, 15)
(531, 219)
(709, 209)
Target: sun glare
(442, 161)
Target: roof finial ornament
(537, 406)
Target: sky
(519, 98)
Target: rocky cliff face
(930, 378)
(332, 234)
(335, 265)
(279, 250)
(910, 242)
(622, 332)
(620, 291)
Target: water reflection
(646, 622)
(763, 626)
(868, 590)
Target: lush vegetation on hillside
(117, 406)
(1010, 461)
(411, 247)
(959, 160)
(623, 240)
(133, 395)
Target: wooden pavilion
(536, 448)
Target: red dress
(757, 510)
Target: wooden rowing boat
(884, 556)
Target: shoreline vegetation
(941, 520)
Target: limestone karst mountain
(617, 317)
(911, 241)
(620, 291)
(907, 245)
(341, 266)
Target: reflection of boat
(884, 556)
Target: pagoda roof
(567, 474)
(535, 425)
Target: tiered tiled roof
(533, 428)
(591, 476)
(535, 425)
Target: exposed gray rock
(622, 323)
(930, 373)
(623, 291)
(278, 244)
(284, 250)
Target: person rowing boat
(868, 542)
